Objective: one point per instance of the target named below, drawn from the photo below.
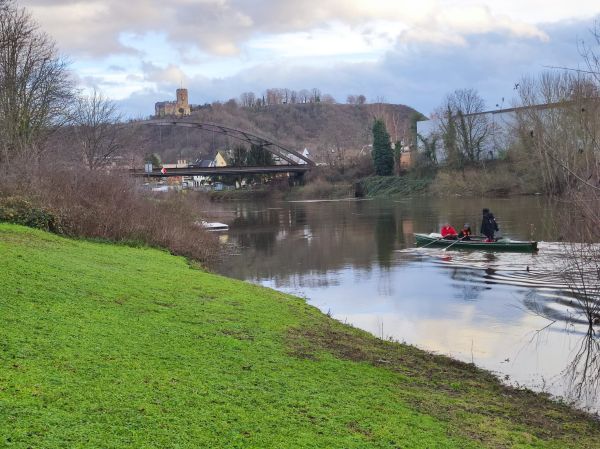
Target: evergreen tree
(450, 139)
(154, 159)
(258, 156)
(383, 157)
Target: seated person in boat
(465, 232)
(448, 232)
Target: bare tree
(293, 97)
(34, 84)
(328, 99)
(559, 134)
(97, 124)
(338, 138)
(274, 96)
(315, 95)
(248, 99)
(462, 115)
(231, 104)
(559, 130)
(396, 125)
(590, 53)
(356, 99)
(304, 96)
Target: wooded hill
(331, 132)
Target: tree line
(278, 96)
(38, 97)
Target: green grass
(257, 193)
(110, 346)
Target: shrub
(98, 205)
(113, 207)
(499, 179)
(20, 211)
(322, 189)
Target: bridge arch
(291, 156)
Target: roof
(204, 163)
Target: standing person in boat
(465, 232)
(488, 225)
(448, 232)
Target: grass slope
(110, 346)
(394, 185)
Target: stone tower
(183, 105)
(179, 107)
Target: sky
(137, 52)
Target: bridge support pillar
(296, 179)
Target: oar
(454, 242)
(432, 242)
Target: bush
(110, 207)
(498, 179)
(423, 166)
(322, 189)
(18, 210)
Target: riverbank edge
(471, 404)
(469, 183)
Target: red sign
(163, 170)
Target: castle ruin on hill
(179, 107)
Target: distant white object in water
(213, 226)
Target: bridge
(296, 162)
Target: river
(355, 260)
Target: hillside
(327, 130)
(111, 346)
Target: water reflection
(385, 237)
(583, 372)
(509, 313)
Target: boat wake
(554, 292)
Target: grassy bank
(494, 179)
(245, 194)
(321, 189)
(388, 186)
(111, 346)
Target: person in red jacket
(448, 232)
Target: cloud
(454, 26)
(415, 74)
(139, 51)
(171, 74)
(223, 27)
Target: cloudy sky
(411, 52)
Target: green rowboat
(476, 243)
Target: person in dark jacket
(488, 225)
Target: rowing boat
(212, 226)
(476, 243)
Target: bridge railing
(221, 171)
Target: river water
(512, 314)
